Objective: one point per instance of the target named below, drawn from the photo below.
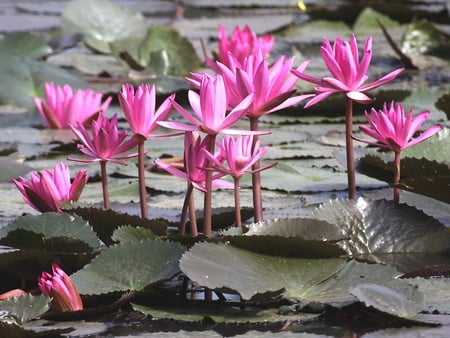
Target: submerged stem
(256, 177)
(349, 148)
(104, 185)
(397, 177)
(141, 177)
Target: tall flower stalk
(106, 144)
(395, 130)
(348, 76)
(139, 108)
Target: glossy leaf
(24, 308)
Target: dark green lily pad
(52, 231)
(129, 233)
(130, 266)
(380, 226)
(22, 309)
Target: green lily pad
(24, 44)
(126, 234)
(130, 266)
(380, 226)
(423, 37)
(436, 148)
(367, 21)
(52, 231)
(435, 291)
(11, 169)
(22, 309)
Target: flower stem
(104, 184)
(182, 226)
(256, 178)
(237, 203)
(192, 216)
(141, 177)
(207, 211)
(349, 148)
(397, 177)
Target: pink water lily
(106, 142)
(393, 129)
(240, 44)
(64, 106)
(210, 106)
(139, 107)
(47, 189)
(59, 286)
(349, 73)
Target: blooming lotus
(393, 129)
(241, 44)
(239, 154)
(46, 190)
(195, 161)
(60, 288)
(64, 106)
(210, 106)
(106, 142)
(349, 73)
(139, 107)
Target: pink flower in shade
(238, 154)
(210, 106)
(195, 161)
(60, 288)
(63, 106)
(349, 74)
(241, 44)
(46, 190)
(271, 85)
(139, 107)
(106, 142)
(393, 129)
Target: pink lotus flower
(195, 161)
(60, 288)
(63, 106)
(349, 74)
(210, 106)
(271, 85)
(46, 190)
(106, 142)
(393, 129)
(140, 110)
(241, 44)
(239, 155)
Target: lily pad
(24, 44)
(130, 266)
(423, 37)
(126, 234)
(22, 309)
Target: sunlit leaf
(24, 308)
(128, 233)
(24, 44)
(423, 37)
(130, 266)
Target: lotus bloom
(239, 154)
(106, 142)
(241, 44)
(139, 107)
(45, 191)
(195, 161)
(349, 74)
(393, 129)
(64, 106)
(60, 288)
(210, 106)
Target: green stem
(207, 210)
(237, 203)
(104, 184)
(141, 177)
(397, 177)
(182, 226)
(349, 148)
(256, 178)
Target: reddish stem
(182, 226)
(141, 177)
(397, 177)
(207, 210)
(349, 148)
(104, 184)
(237, 203)
(256, 178)
(192, 216)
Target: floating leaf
(53, 231)
(436, 148)
(130, 266)
(24, 44)
(24, 308)
(126, 234)
(368, 20)
(422, 37)
(380, 226)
